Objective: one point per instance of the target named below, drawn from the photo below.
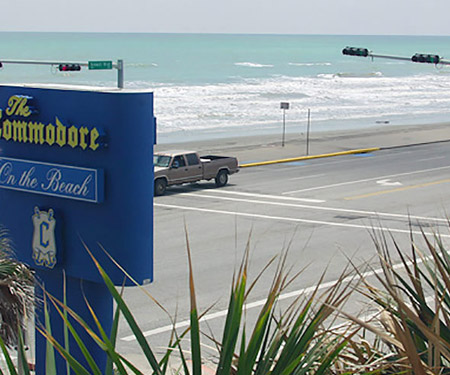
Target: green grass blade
(109, 345)
(183, 359)
(21, 353)
(247, 362)
(113, 339)
(257, 338)
(50, 361)
(8, 360)
(74, 364)
(299, 340)
(85, 351)
(195, 344)
(105, 344)
(291, 340)
(130, 366)
(265, 343)
(232, 326)
(128, 317)
(195, 326)
(327, 362)
(66, 331)
(270, 351)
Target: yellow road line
(359, 151)
(397, 189)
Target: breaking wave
(255, 104)
(253, 65)
(310, 64)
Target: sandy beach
(268, 147)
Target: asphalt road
(323, 210)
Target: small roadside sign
(99, 65)
(283, 105)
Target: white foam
(253, 65)
(255, 103)
(310, 64)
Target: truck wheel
(221, 178)
(160, 186)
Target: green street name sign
(98, 65)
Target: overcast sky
(402, 17)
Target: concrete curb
(289, 160)
(415, 144)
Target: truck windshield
(161, 160)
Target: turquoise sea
(218, 85)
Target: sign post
(284, 106)
(76, 170)
(308, 126)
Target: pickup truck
(180, 167)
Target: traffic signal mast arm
(74, 66)
(56, 63)
(418, 57)
(36, 62)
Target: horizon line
(216, 33)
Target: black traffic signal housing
(69, 67)
(353, 51)
(424, 58)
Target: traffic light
(352, 51)
(423, 58)
(69, 67)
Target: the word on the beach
(84, 184)
(17, 126)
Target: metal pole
(37, 62)
(120, 74)
(401, 58)
(307, 132)
(284, 126)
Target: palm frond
(16, 293)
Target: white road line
(248, 306)
(321, 208)
(267, 196)
(294, 220)
(435, 158)
(364, 180)
(305, 177)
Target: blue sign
(85, 184)
(76, 171)
(84, 159)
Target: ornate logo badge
(44, 244)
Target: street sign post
(284, 106)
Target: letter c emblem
(43, 228)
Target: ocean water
(212, 85)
